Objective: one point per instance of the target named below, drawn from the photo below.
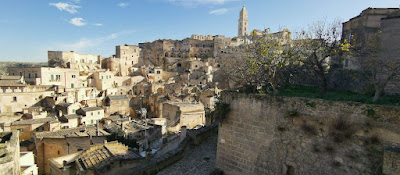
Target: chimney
(64, 165)
(97, 128)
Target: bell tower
(243, 23)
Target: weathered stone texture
(277, 135)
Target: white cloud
(98, 24)
(218, 11)
(77, 21)
(194, 3)
(66, 7)
(85, 43)
(123, 4)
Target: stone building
(154, 53)
(11, 82)
(90, 115)
(67, 78)
(63, 142)
(364, 28)
(70, 121)
(73, 60)
(103, 80)
(107, 158)
(243, 23)
(17, 99)
(129, 55)
(26, 128)
(67, 108)
(117, 104)
(27, 163)
(180, 114)
(9, 149)
(390, 47)
(202, 37)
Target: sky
(29, 28)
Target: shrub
(310, 104)
(221, 111)
(308, 129)
(370, 112)
(292, 114)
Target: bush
(221, 111)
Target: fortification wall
(280, 135)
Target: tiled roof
(34, 121)
(72, 116)
(11, 83)
(88, 109)
(97, 157)
(9, 77)
(73, 132)
(118, 97)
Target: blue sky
(28, 28)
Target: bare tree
(316, 45)
(235, 71)
(379, 62)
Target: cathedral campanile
(243, 23)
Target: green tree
(269, 56)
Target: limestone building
(243, 23)
(117, 104)
(364, 28)
(183, 114)
(202, 37)
(91, 115)
(67, 78)
(9, 149)
(74, 60)
(108, 158)
(63, 142)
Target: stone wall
(280, 135)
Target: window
(20, 130)
(36, 75)
(91, 113)
(73, 110)
(14, 98)
(72, 85)
(83, 85)
(29, 75)
(101, 77)
(58, 152)
(158, 72)
(91, 121)
(52, 77)
(73, 76)
(20, 74)
(98, 113)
